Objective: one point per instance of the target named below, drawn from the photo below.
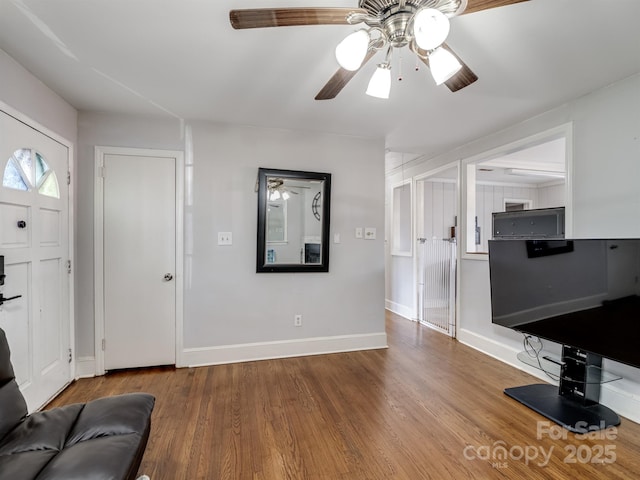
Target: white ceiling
(182, 58)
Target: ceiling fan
(421, 25)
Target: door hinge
(68, 266)
(68, 178)
(103, 344)
(101, 171)
(70, 355)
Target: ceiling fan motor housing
(382, 8)
(394, 16)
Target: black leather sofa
(102, 439)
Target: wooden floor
(426, 408)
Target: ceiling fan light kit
(274, 195)
(380, 83)
(351, 51)
(421, 25)
(443, 65)
(430, 28)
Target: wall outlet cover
(370, 233)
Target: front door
(34, 240)
(139, 258)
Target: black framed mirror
(293, 221)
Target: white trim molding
(246, 352)
(85, 367)
(403, 310)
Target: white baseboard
(85, 367)
(195, 357)
(399, 309)
(612, 395)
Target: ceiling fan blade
(340, 79)
(462, 78)
(286, 17)
(478, 5)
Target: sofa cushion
(102, 458)
(25, 465)
(116, 415)
(13, 408)
(47, 430)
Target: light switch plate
(359, 232)
(225, 238)
(370, 233)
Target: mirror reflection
(293, 221)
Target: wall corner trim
(85, 367)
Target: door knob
(168, 277)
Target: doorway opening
(436, 249)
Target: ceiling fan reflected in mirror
(278, 190)
(420, 25)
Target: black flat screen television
(583, 294)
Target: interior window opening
(532, 176)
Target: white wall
(605, 186)
(439, 208)
(28, 95)
(489, 199)
(226, 304)
(552, 195)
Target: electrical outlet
(297, 320)
(225, 238)
(370, 233)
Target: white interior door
(34, 240)
(139, 260)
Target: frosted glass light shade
(380, 83)
(443, 65)
(351, 51)
(430, 28)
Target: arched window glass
(12, 177)
(49, 186)
(28, 169)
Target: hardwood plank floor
(426, 408)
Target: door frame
(98, 243)
(12, 112)
(419, 217)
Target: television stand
(574, 404)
